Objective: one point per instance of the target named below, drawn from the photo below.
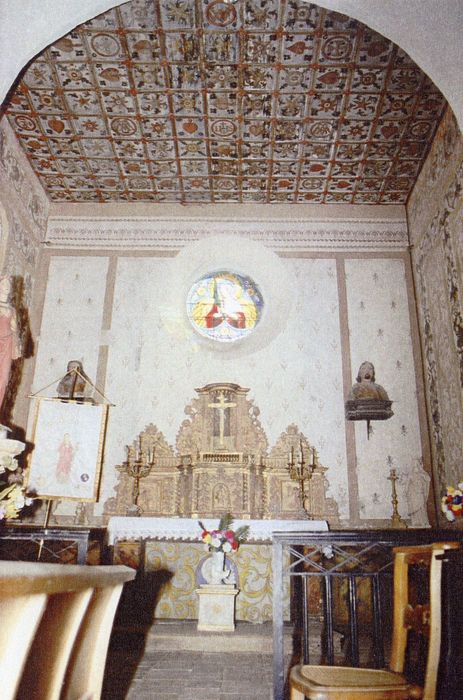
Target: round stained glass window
(224, 306)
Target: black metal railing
(341, 584)
(49, 544)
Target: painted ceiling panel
(212, 101)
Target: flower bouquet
(221, 542)
(452, 502)
(12, 501)
(12, 496)
(224, 539)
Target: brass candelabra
(301, 471)
(396, 520)
(138, 465)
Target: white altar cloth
(126, 528)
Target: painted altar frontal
(170, 552)
(222, 463)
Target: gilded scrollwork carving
(221, 464)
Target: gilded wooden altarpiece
(222, 463)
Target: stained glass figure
(224, 306)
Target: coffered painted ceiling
(201, 101)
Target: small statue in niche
(417, 494)
(75, 384)
(368, 400)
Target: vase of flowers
(452, 502)
(220, 542)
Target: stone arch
(28, 28)
(420, 27)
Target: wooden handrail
(56, 624)
(22, 577)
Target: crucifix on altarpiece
(224, 418)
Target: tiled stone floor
(171, 660)
(176, 663)
(194, 676)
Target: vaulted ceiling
(200, 101)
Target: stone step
(247, 637)
(183, 635)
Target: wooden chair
(55, 626)
(346, 683)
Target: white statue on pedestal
(215, 571)
(417, 495)
(9, 449)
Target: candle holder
(301, 471)
(138, 465)
(396, 520)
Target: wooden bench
(55, 624)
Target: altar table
(126, 528)
(169, 552)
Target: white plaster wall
(293, 367)
(71, 328)
(71, 319)
(379, 331)
(156, 361)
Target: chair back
(55, 626)
(417, 609)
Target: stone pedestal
(216, 607)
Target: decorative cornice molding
(173, 234)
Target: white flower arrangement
(12, 496)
